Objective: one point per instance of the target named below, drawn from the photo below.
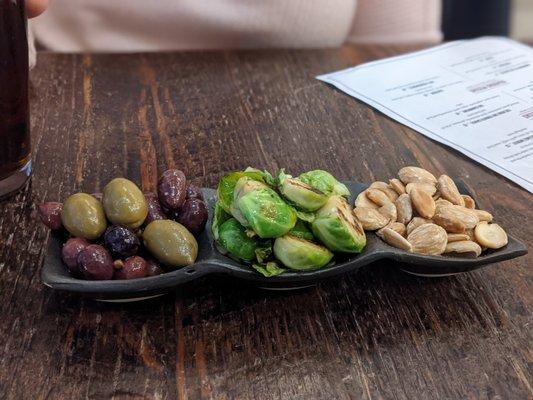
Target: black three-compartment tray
(211, 261)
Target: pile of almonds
(422, 214)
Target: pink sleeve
(396, 21)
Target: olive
(155, 211)
(121, 241)
(50, 214)
(194, 192)
(172, 189)
(193, 215)
(83, 216)
(154, 268)
(95, 263)
(133, 268)
(70, 251)
(170, 243)
(124, 203)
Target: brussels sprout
(227, 183)
(219, 217)
(302, 231)
(302, 195)
(301, 254)
(232, 236)
(268, 269)
(325, 182)
(263, 252)
(259, 207)
(337, 228)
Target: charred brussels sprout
(259, 207)
(301, 254)
(337, 228)
(302, 231)
(325, 182)
(227, 183)
(232, 236)
(302, 195)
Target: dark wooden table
(379, 334)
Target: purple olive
(172, 189)
(50, 214)
(155, 211)
(193, 215)
(95, 263)
(133, 268)
(122, 242)
(154, 268)
(194, 192)
(70, 251)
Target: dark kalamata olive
(98, 196)
(194, 192)
(172, 189)
(95, 263)
(50, 214)
(70, 251)
(155, 211)
(154, 268)
(133, 268)
(122, 242)
(193, 215)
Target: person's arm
(35, 7)
(396, 21)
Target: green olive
(170, 242)
(124, 203)
(83, 216)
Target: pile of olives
(277, 222)
(123, 233)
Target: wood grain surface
(379, 334)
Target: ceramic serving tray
(211, 261)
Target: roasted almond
(423, 203)
(483, 215)
(415, 223)
(425, 187)
(363, 201)
(455, 219)
(377, 196)
(428, 239)
(448, 190)
(416, 175)
(395, 239)
(491, 236)
(404, 209)
(397, 227)
(397, 185)
(457, 237)
(469, 201)
(442, 202)
(391, 194)
(370, 218)
(463, 248)
(389, 211)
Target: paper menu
(473, 95)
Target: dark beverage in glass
(15, 164)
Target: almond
(457, 237)
(415, 223)
(389, 211)
(377, 196)
(404, 209)
(416, 175)
(428, 239)
(491, 236)
(483, 215)
(442, 202)
(423, 203)
(455, 219)
(370, 218)
(449, 191)
(391, 194)
(396, 227)
(426, 187)
(469, 201)
(363, 201)
(395, 239)
(397, 185)
(463, 248)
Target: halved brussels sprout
(301, 254)
(336, 227)
(325, 182)
(262, 209)
(302, 231)
(227, 183)
(232, 236)
(219, 217)
(302, 195)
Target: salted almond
(370, 218)
(395, 239)
(416, 175)
(457, 237)
(491, 236)
(455, 219)
(423, 203)
(442, 202)
(378, 197)
(415, 223)
(469, 201)
(397, 186)
(363, 201)
(391, 194)
(396, 227)
(470, 233)
(428, 239)
(463, 248)
(449, 191)
(436, 196)
(483, 215)
(404, 209)
(389, 211)
(429, 188)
